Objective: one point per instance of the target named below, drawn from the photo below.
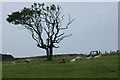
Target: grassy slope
(105, 67)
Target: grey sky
(118, 26)
(0, 28)
(95, 28)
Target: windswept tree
(44, 24)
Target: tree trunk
(49, 52)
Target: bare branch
(61, 35)
(70, 21)
(56, 46)
(33, 36)
(61, 38)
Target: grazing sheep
(73, 60)
(27, 60)
(97, 56)
(78, 57)
(13, 62)
(88, 58)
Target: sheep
(78, 57)
(13, 62)
(27, 60)
(73, 60)
(88, 58)
(97, 56)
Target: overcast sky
(95, 28)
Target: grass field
(104, 67)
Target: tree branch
(70, 21)
(61, 38)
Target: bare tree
(44, 24)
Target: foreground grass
(105, 67)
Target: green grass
(105, 67)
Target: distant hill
(6, 57)
(58, 55)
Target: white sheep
(88, 58)
(78, 57)
(97, 56)
(13, 62)
(27, 60)
(73, 60)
